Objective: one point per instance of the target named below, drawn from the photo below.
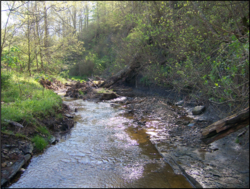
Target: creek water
(102, 150)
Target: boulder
(9, 172)
(52, 139)
(27, 149)
(115, 105)
(198, 110)
(108, 96)
(69, 116)
(180, 103)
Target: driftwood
(128, 72)
(225, 126)
(13, 123)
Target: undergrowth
(25, 99)
(40, 142)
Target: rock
(5, 151)
(190, 124)
(198, 110)
(126, 93)
(119, 99)
(52, 139)
(182, 122)
(22, 169)
(69, 115)
(108, 96)
(114, 105)
(180, 103)
(4, 164)
(13, 169)
(27, 149)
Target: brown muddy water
(103, 150)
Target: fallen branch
(13, 123)
(20, 136)
(225, 126)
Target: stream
(102, 150)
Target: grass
(103, 90)
(43, 130)
(237, 140)
(81, 93)
(40, 142)
(24, 99)
(78, 78)
(59, 116)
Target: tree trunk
(38, 36)
(225, 126)
(29, 41)
(46, 36)
(130, 71)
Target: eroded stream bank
(104, 149)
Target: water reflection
(104, 149)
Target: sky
(4, 14)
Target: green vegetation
(78, 78)
(81, 93)
(40, 142)
(103, 90)
(25, 99)
(43, 130)
(201, 46)
(59, 116)
(237, 140)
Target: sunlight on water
(102, 150)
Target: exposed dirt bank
(17, 150)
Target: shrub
(43, 130)
(5, 79)
(40, 142)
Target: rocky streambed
(101, 150)
(172, 128)
(175, 130)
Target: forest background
(200, 46)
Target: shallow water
(103, 149)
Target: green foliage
(237, 140)
(11, 57)
(33, 101)
(20, 135)
(5, 79)
(59, 116)
(81, 93)
(210, 54)
(43, 130)
(78, 78)
(103, 90)
(40, 142)
(145, 80)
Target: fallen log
(225, 126)
(13, 123)
(128, 72)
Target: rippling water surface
(103, 149)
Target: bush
(40, 142)
(5, 79)
(43, 130)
